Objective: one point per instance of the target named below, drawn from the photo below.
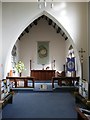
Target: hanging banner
(71, 64)
(43, 52)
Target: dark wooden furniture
(66, 79)
(25, 79)
(5, 93)
(79, 99)
(81, 115)
(7, 100)
(62, 74)
(43, 74)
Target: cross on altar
(81, 59)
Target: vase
(20, 74)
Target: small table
(25, 79)
(67, 79)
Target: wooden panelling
(43, 74)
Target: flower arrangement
(20, 66)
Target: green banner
(43, 52)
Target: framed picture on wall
(43, 52)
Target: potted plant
(20, 67)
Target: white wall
(89, 37)
(72, 17)
(0, 40)
(28, 46)
(89, 27)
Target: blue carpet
(41, 105)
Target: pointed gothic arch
(53, 19)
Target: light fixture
(45, 4)
(52, 4)
(40, 2)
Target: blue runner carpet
(27, 104)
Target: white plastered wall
(71, 17)
(28, 47)
(0, 40)
(89, 37)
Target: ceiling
(50, 23)
(44, 0)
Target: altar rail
(70, 80)
(24, 79)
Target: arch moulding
(15, 38)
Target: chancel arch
(52, 22)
